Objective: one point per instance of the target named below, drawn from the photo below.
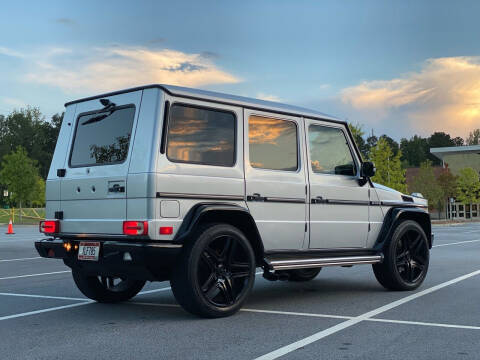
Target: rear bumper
(149, 261)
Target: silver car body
(348, 214)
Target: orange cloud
(443, 96)
(267, 131)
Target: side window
(201, 136)
(272, 143)
(329, 151)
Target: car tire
(406, 258)
(300, 275)
(106, 289)
(215, 272)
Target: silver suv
(199, 188)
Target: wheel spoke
(227, 250)
(227, 291)
(416, 244)
(209, 260)
(206, 285)
(213, 291)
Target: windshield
(102, 137)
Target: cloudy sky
(397, 67)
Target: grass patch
(29, 215)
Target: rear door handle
(319, 200)
(256, 197)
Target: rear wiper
(108, 106)
(96, 119)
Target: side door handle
(256, 197)
(319, 200)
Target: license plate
(88, 250)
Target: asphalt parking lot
(342, 314)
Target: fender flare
(397, 214)
(233, 214)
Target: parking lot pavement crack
(366, 316)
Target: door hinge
(61, 172)
(306, 227)
(59, 215)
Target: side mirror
(368, 169)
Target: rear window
(102, 137)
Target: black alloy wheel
(406, 258)
(108, 289)
(215, 273)
(411, 256)
(222, 271)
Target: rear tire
(106, 289)
(406, 258)
(300, 275)
(215, 272)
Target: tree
(19, 174)
(438, 139)
(448, 183)
(474, 137)
(392, 143)
(468, 186)
(28, 128)
(357, 132)
(371, 142)
(414, 151)
(389, 167)
(458, 141)
(426, 184)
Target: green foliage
(357, 132)
(468, 186)
(426, 183)
(414, 151)
(389, 167)
(20, 176)
(448, 183)
(474, 137)
(392, 143)
(27, 128)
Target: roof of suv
(225, 99)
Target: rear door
(275, 178)
(93, 191)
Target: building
(457, 158)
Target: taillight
(49, 226)
(166, 230)
(135, 227)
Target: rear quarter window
(102, 137)
(198, 135)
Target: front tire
(106, 289)
(406, 260)
(215, 272)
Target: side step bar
(284, 264)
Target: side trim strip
(273, 199)
(200, 196)
(320, 200)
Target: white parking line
(30, 275)
(45, 310)
(346, 324)
(426, 324)
(44, 297)
(275, 312)
(457, 243)
(32, 258)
